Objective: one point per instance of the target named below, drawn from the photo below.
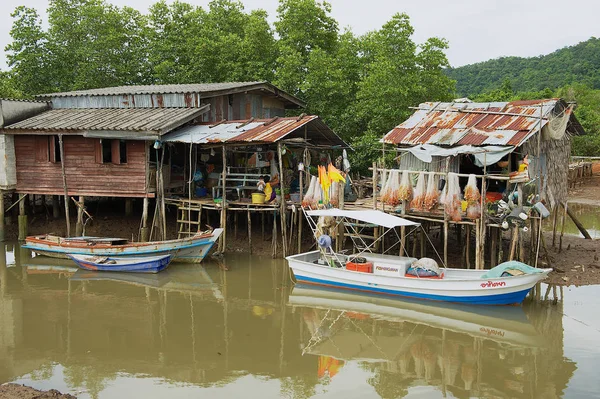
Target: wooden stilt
(513, 243)
(79, 225)
(249, 230)
(144, 233)
(262, 216)
(468, 246)
(223, 242)
(414, 245)
(493, 246)
(478, 245)
(22, 219)
(2, 235)
(554, 224)
(235, 225)
(128, 206)
(282, 203)
(562, 226)
(422, 242)
(64, 179)
(374, 185)
(274, 237)
(520, 236)
(578, 224)
(446, 243)
(55, 207)
(500, 256)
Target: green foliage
(575, 64)
(8, 88)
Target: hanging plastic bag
(334, 194)
(309, 197)
(383, 182)
(405, 191)
(419, 193)
(473, 196)
(392, 188)
(432, 196)
(453, 198)
(471, 191)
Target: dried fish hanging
(309, 197)
(419, 193)
(432, 196)
(473, 196)
(453, 198)
(384, 185)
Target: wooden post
(422, 241)
(223, 243)
(562, 226)
(301, 212)
(274, 237)
(144, 233)
(446, 243)
(79, 225)
(513, 244)
(578, 224)
(55, 207)
(374, 185)
(477, 244)
(554, 224)
(128, 206)
(283, 203)
(341, 229)
(468, 246)
(1, 216)
(520, 203)
(22, 219)
(249, 230)
(493, 246)
(64, 178)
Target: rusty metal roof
(205, 89)
(258, 131)
(496, 123)
(155, 120)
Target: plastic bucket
(258, 198)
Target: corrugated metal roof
(206, 89)
(157, 120)
(258, 131)
(497, 123)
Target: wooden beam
(64, 178)
(577, 222)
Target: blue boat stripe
(498, 299)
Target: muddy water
(587, 214)
(200, 332)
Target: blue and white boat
(387, 274)
(189, 250)
(146, 264)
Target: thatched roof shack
(491, 132)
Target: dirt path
(16, 391)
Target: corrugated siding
(409, 162)
(509, 123)
(162, 100)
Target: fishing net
(392, 189)
(473, 196)
(406, 190)
(453, 198)
(419, 193)
(432, 196)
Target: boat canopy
(373, 217)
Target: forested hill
(576, 64)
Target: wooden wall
(86, 175)
(241, 107)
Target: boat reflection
(467, 351)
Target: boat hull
(466, 286)
(152, 264)
(189, 250)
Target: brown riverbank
(16, 391)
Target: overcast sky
(476, 29)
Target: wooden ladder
(185, 227)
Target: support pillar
(128, 207)
(22, 220)
(79, 225)
(55, 207)
(144, 234)
(1, 216)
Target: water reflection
(208, 329)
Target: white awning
(488, 155)
(374, 217)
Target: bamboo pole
(554, 224)
(250, 230)
(477, 244)
(578, 224)
(22, 219)
(283, 203)
(144, 233)
(64, 179)
(79, 225)
(1, 216)
(520, 203)
(223, 243)
(562, 226)
(301, 213)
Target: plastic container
(201, 192)
(360, 267)
(258, 198)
